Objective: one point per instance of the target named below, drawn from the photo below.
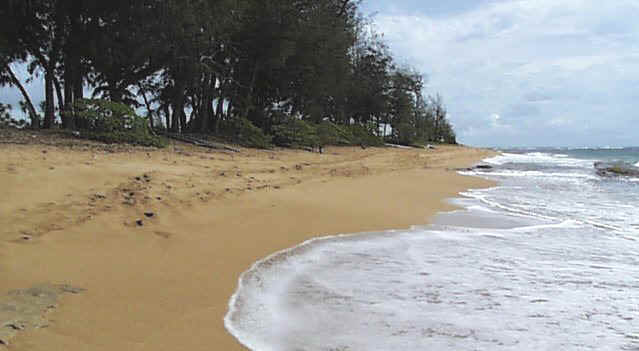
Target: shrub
(112, 122)
(295, 133)
(330, 133)
(243, 132)
(6, 121)
(363, 135)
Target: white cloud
(528, 62)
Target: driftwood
(200, 142)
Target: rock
(610, 169)
(298, 167)
(431, 147)
(149, 214)
(482, 167)
(139, 222)
(98, 196)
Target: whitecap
(538, 157)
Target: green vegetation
(291, 73)
(113, 122)
(5, 118)
(243, 132)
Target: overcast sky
(524, 72)
(517, 72)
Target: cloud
(547, 68)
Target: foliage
(295, 133)
(364, 135)
(6, 121)
(309, 72)
(113, 122)
(330, 133)
(243, 132)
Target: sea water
(548, 259)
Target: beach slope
(153, 242)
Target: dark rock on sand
(482, 167)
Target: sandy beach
(148, 244)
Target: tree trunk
(78, 85)
(249, 98)
(49, 110)
(148, 107)
(35, 121)
(68, 119)
(175, 117)
(183, 126)
(167, 116)
(58, 91)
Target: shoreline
(167, 284)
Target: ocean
(547, 259)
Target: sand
(68, 216)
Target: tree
(209, 65)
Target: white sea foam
(538, 157)
(443, 288)
(546, 260)
(521, 173)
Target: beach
(153, 241)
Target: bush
(295, 133)
(363, 135)
(243, 132)
(6, 121)
(112, 122)
(332, 134)
(299, 133)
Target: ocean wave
(439, 287)
(560, 215)
(514, 173)
(508, 209)
(538, 157)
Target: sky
(515, 72)
(524, 72)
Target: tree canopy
(212, 66)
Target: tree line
(218, 67)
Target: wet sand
(69, 217)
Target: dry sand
(68, 216)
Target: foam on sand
(442, 288)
